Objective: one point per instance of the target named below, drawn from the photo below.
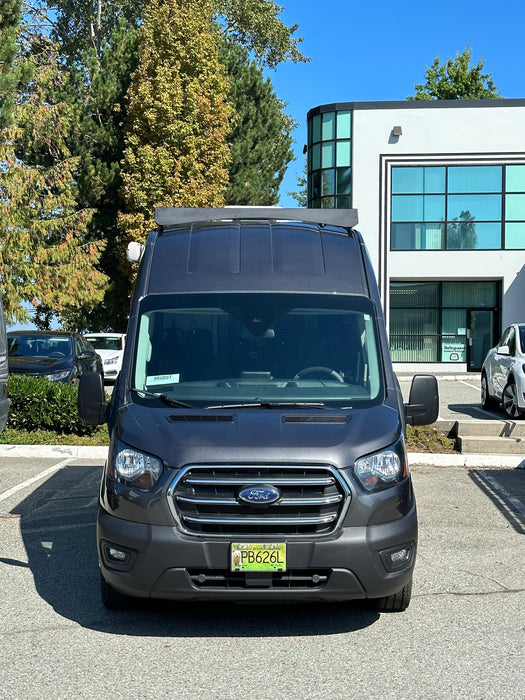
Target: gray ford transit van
(257, 428)
(4, 400)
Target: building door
(480, 332)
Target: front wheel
(113, 599)
(510, 401)
(487, 402)
(397, 602)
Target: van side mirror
(92, 406)
(503, 350)
(423, 403)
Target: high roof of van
(255, 249)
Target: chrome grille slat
(328, 500)
(276, 481)
(203, 500)
(246, 520)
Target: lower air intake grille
(204, 500)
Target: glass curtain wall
(330, 160)
(474, 207)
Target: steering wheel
(332, 374)
(56, 354)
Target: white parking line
(472, 386)
(29, 482)
(520, 507)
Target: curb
(54, 451)
(427, 459)
(414, 458)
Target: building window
(330, 160)
(462, 207)
(431, 321)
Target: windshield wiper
(162, 397)
(272, 404)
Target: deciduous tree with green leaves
(176, 150)
(456, 79)
(44, 256)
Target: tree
(456, 80)
(176, 139)
(98, 45)
(260, 141)
(44, 257)
(301, 196)
(255, 24)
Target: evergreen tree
(260, 140)
(176, 140)
(456, 80)
(44, 256)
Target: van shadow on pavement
(58, 525)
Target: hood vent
(200, 418)
(337, 419)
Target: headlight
(58, 376)
(382, 469)
(136, 468)
(111, 361)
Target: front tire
(397, 602)
(487, 402)
(509, 400)
(113, 599)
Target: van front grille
(204, 500)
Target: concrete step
(491, 428)
(480, 444)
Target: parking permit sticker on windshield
(162, 379)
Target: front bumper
(167, 564)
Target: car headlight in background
(59, 376)
(382, 469)
(111, 361)
(135, 468)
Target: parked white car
(503, 373)
(110, 347)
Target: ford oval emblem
(259, 495)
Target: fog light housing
(397, 558)
(117, 557)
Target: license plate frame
(258, 556)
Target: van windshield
(230, 348)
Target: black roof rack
(173, 216)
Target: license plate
(258, 556)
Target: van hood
(258, 435)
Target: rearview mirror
(423, 403)
(503, 350)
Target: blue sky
(375, 51)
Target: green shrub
(40, 404)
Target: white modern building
(440, 191)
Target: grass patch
(426, 438)
(10, 436)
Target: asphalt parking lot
(461, 637)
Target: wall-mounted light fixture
(397, 131)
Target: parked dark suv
(58, 355)
(257, 428)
